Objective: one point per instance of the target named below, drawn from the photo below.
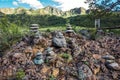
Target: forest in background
(110, 20)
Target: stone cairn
(58, 39)
(34, 28)
(69, 29)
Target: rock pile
(63, 58)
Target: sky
(64, 5)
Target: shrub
(52, 77)
(9, 34)
(67, 57)
(48, 30)
(20, 74)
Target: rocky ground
(55, 56)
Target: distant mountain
(1, 14)
(44, 11)
(50, 11)
(76, 11)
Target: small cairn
(39, 58)
(33, 34)
(69, 29)
(34, 28)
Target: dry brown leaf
(55, 72)
(96, 70)
(45, 70)
(96, 56)
(28, 50)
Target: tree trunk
(97, 23)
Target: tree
(101, 8)
(103, 4)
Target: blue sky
(36, 4)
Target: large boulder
(108, 57)
(58, 40)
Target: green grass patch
(52, 28)
(62, 28)
(20, 74)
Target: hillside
(44, 11)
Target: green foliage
(81, 20)
(46, 20)
(100, 8)
(115, 31)
(20, 74)
(75, 28)
(52, 28)
(9, 34)
(46, 61)
(93, 33)
(88, 21)
(52, 77)
(48, 30)
(42, 20)
(85, 62)
(66, 56)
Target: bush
(20, 74)
(48, 30)
(52, 77)
(9, 34)
(93, 33)
(66, 56)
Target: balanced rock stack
(39, 58)
(37, 36)
(34, 28)
(59, 40)
(69, 29)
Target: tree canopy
(100, 8)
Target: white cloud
(70, 4)
(15, 3)
(33, 3)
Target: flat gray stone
(110, 61)
(108, 57)
(114, 66)
(70, 31)
(84, 72)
